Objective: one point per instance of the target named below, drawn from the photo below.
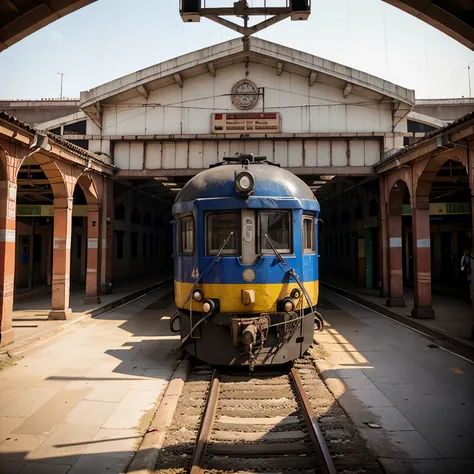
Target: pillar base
(57, 314)
(6, 337)
(423, 313)
(396, 302)
(91, 300)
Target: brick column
(61, 258)
(7, 259)
(422, 260)
(108, 238)
(395, 297)
(92, 271)
(383, 237)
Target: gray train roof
(270, 181)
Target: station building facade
(331, 125)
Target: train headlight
(244, 182)
(208, 306)
(198, 295)
(288, 305)
(295, 293)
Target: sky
(111, 38)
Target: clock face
(244, 94)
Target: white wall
(200, 154)
(303, 109)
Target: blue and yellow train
(246, 264)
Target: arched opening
(78, 239)
(85, 238)
(450, 225)
(39, 181)
(400, 242)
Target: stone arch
(430, 168)
(90, 187)
(54, 171)
(396, 195)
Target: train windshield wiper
(280, 258)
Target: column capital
(63, 203)
(92, 208)
(420, 202)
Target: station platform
(452, 314)
(411, 400)
(81, 403)
(30, 313)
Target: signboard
(443, 208)
(246, 123)
(42, 210)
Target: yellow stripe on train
(230, 295)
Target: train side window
(276, 224)
(219, 227)
(186, 240)
(308, 234)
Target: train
(246, 264)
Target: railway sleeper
(258, 404)
(259, 449)
(268, 412)
(246, 379)
(256, 395)
(263, 464)
(233, 436)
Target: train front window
(219, 226)
(276, 224)
(308, 234)
(186, 241)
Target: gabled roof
(234, 51)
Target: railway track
(279, 420)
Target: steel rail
(206, 425)
(312, 423)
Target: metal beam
(299, 171)
(248, 30)
(252, 11)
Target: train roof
(270, 181)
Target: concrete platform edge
(144, 461)
(449, 342)
(7, 352)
